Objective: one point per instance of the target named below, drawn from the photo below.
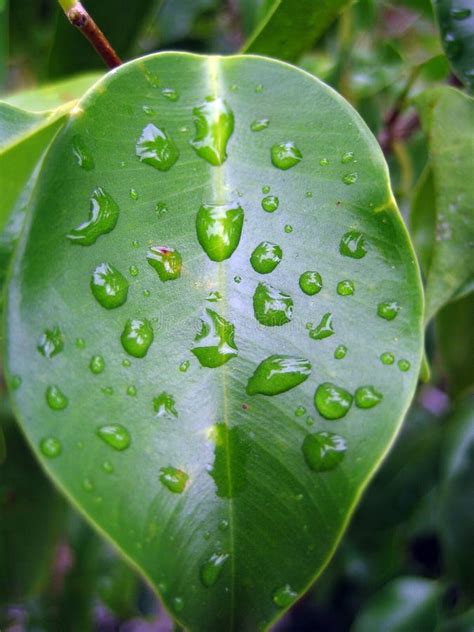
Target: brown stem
(78, 17)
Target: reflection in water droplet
(166, 261)
(331, 401)
(97, 364)
(50, 447)
(323, 451)
(15, 382)
(51, 342)
(347, 157)
(367, 397)
(278, 374)
(172, 478)
(272, 307)
(214, 121)
(214, 344)
(387, 357)
(184, 366)
(156, 148)
(340, 352)
(170, 93)
(115, 435)
(103, 217)
(324, 329)
(345, 288)
(353, 245)
(284, 596)
(214, 296)
(285, 155)
(212, 568)
(266, 257)
(311, 282)
(350, 178)
(404, 365)
(109, 286)
(388, 310)
(219, 227)
(55, 398)
(259, 124)
(82, 154)
(270, 203)
(137, 337)
(164, 405)
(300, 411)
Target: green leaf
(456, 24)
(291, 27)
(406, 603)
(448, 120)
(423, 218)
(158, 442)
(462, 623)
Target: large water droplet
(97, 364)
(155, 147)
(50, 447)
(137, 337)
(311, 282)
(284, 596)
(353, 245)
(109, 286)
(266, 257)
(285, 155)
(214, 121)
(115, 435)
(323, 451)
(166, 261)
(278, 374)
(55, 398)
(404, 365)
(82, 154)
(345, 288)
(388, 310)
(350, 178)
(51, 342)
(164, 405)
(172, 478)
(272, 307)
(214, 344)
(103, 217)
(331, 401)
(367, 397)
(324, 329)
(270, 203)
(212, 569)
(348, 156)
(259, 124)
(219, 227)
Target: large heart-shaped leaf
(228, 257)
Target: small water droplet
(184, 366)
(156, 148)
(133, 194)
(324, 162)
(178, 604)
(170, 93)
(214, 121)
(82, 154)
(259, 88)
(404, 365)
(88, 485)
(164, 405)
(309, 421)
(214, 296)
(309, 194)
(350, 178)
(212, 568)
(311, 282)
(107, 390)
(107, 467)
(126, 362)
(115, 435)
(284, 596)
(347, 157)
(353, 245)
(367, 397)
(278, 374)
(146, 293)
(387, 357)
(272, 307)
(266, 257)
(51, 342)
(219, 227)
(80, 343)
(109, 286)
(331, 401)
(388, 310)
(214, 344)
(55, 398)
(172, 478)
(340, 352)
(131, 390)
(324, 329)
(345, 288)
(103, 217)
(15, 382)
(270, 203)
(223, 525)
(300, 411)
(133, 270)
(137, 337)
(285, 155)
(161, 208)
(323, 451)
(97, 364)
(237, 279)
(149, 111)
(288, 228)
(50, 447)
(259, 124)
(166, 261)
(265, 189)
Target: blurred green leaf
(252, 12)
(422, 218)
(462, 623)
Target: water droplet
(324, 329)
(178, 604)
(387, 357)
(259, 124)
(288, 228)
(166, 261)
(270, 203)
(214, 121)
(223, 525)
(259, 88)
(172, 478)
(170, 93)
(107, 467)
(278, 374)
(323, 451)
(107, 390)
(109, 286)
(350, 178)
(331, 401)
(15, 382)
(184, 366)
(266, 257)
(214, 296)
(367, 397)
(126, 362)
(80, 343)
(131, 390)
(284, 596)
(212, 568)
(353, 245)
(149, 111)
(88, 485)
(133, 271)
(219, 227)
(156, 148)
(137, 337)
(214, 344)
(404, 365)
(146, 293)
(347, 157)
(133, 194)
(309, 194)
(237, 279)
(55, 398)
(164, 405)
(82, 154)
(461, 14)
(345, 288)
(272, 307)
(152, 77)
(285, 155)
(50, 447)
(340, 352)
(103, 217)
(311, 282)
(97, 364)
(324, 162)
(265, 189)
(51, 342)
(388, 310)
(300, 411)
(115, 435)
(161, 208)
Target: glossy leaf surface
(207, 489)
